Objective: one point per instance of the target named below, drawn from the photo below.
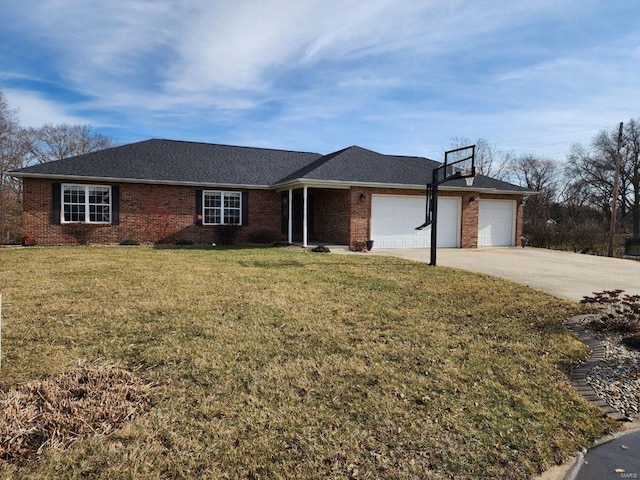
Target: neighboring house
(162, 191)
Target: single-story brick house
(162, 191)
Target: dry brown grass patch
(271, 363)
(86, 400)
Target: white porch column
(304, 216)
(290, 217)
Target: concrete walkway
(563, 274)
(617, 457)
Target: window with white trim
(221, 208)
(86, 203)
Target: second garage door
(394, 219)
(496, 223)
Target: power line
(499, 144)
(548, 135)
(542, 145)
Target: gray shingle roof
(169, 161)
(359, 165)
(179, 162)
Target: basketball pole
(434, 216)
(435, 182)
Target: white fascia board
(79, 178)
(487, 190)
(336, 184)
(298, 183)
(344, 185)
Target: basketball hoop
(458, 163)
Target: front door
(298, 214)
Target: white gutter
(488, 190)
(340, 184)
(278, 187)
(81, 178)
(337, 184)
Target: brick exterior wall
(166, 213)
(470, 212)
(361, 210)
(331, 215)
(517, 241)
(360, 219)
(150, 214)
(360, 216)
(469, 219)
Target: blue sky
(395, 76)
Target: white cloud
(229, 46)
(247, 46)
(34, 110)
(212, 48)
(401, 73)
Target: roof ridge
(229, 145)
(391, 154)
(310, 167)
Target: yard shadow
(275, 264)
(169, 246)
(242, 263)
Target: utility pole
(614, 200)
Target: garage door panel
(394, 219)
(496, 223)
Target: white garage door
(394, 220)
(496, 223)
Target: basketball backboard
(458, 163)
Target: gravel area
(617, 379)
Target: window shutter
(198, 220)
(245, 209)
(115, 205)
(56, 202)
(285, 213)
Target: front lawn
(270, 363)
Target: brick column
(360, 215)
(469, 227)
(519, 219)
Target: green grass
(270, 363)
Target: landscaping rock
(615, 378)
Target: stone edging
(579, 375)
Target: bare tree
(11, 156)
(9, 129)
(55, 142)
(574, 197)
(21, 147)
(591, 175)
(593, 168)
(630, 174)
(541, 211)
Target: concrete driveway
(563, 274)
